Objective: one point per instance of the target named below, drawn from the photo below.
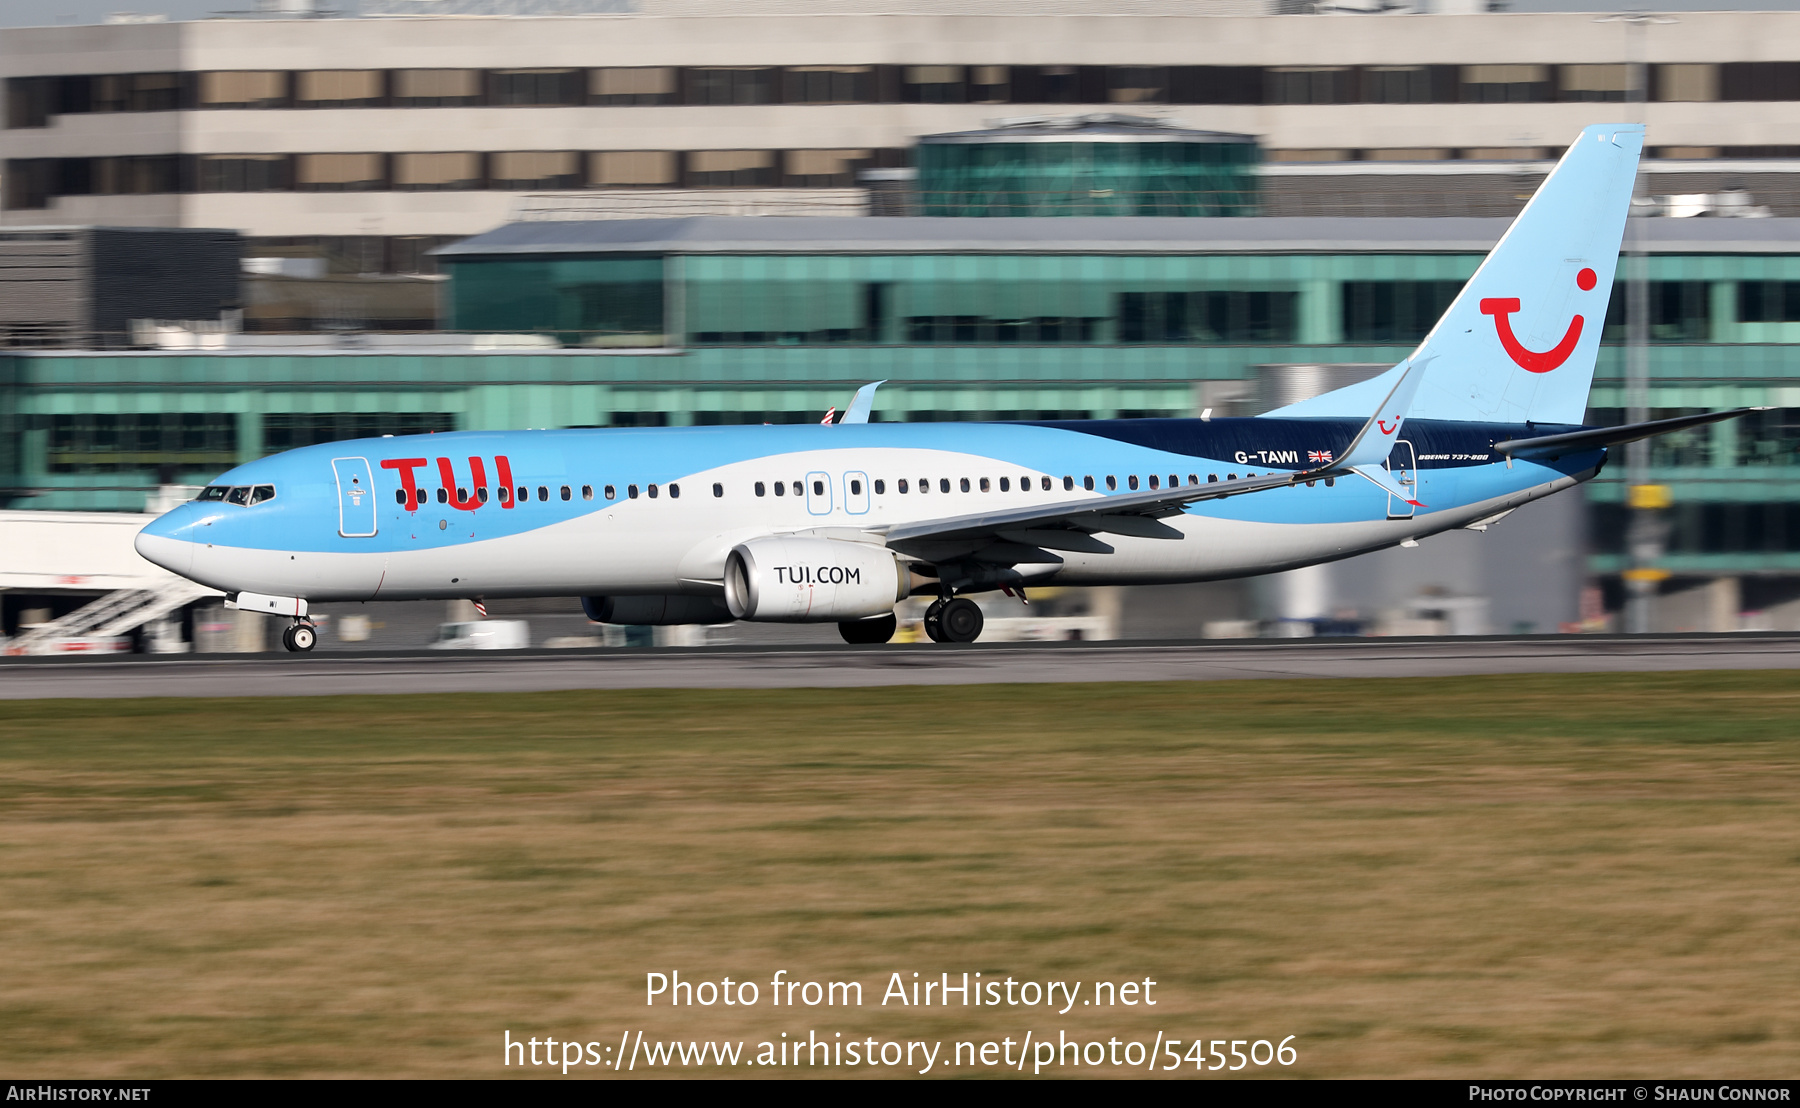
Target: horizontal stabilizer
(1385, 481)
(1571, 442)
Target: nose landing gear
(299, 638)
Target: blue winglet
(862, 404)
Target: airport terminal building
(377, 139)
(728, 320)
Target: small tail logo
(1533, 361)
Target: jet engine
(655, 611)
(801, 580)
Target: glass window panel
(245, 173)
(536, 86)
(437, 88)
(246, 89)
(731, 169)
(534, 169)
(1504, 84)
(1137, 84)
(1687, 82)
(338, 88)
(828, 84)
(340, 172)
(637, 85)
(824, 168)
(933, 84)
(1594, 82)
(1396, 84)
(442, 171)
(732, 85)
(628, 168)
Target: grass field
(1539, 876)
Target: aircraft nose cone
(158, 545)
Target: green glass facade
(1008, 177)
(769, 337)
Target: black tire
(934, 629)
(300, 638)
(960, 621)
(287, 640)
(867, 631)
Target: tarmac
(865, 666)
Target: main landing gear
(864, 631)
(957, 620)
(299, 638)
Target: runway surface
(850, 667)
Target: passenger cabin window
(800, 490)
(1131, 482)
(1068, 484)
(855, 488)
(674, 492)
(1005, 484)
(944, 484)
(1046, 483)
(543, 492)
(759, 488)
(565, 493)
(523, 494)
(880, 487)
(718, 489)
(900, 485)
(965, 484)
(781, 488)
(1112, 483)
(1154, 481)
(400, 496)
(587, 492)
(611, 493)
(631, 492)
(652, 491)
(1088, 482)
(481, 494)
(984, 484)
(443, 496)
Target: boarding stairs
(109, 616)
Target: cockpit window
(238, 495)
(213, 492)
(260, 493)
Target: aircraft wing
(1573, 441)
(1031, 529)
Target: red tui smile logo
(1534, 361)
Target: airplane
(838, 522)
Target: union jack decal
(1318, 455)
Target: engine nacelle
(655, 611)
(802, 580)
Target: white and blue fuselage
(657, 510)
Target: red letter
(476, 470)
(406, 466)
(503, 475)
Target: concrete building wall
(790, 40)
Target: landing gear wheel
(299, 638)
(863, 631)
(934, 628)
(960, 621)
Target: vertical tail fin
(1518, 344)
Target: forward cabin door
(356, 497)
(1403, 463)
